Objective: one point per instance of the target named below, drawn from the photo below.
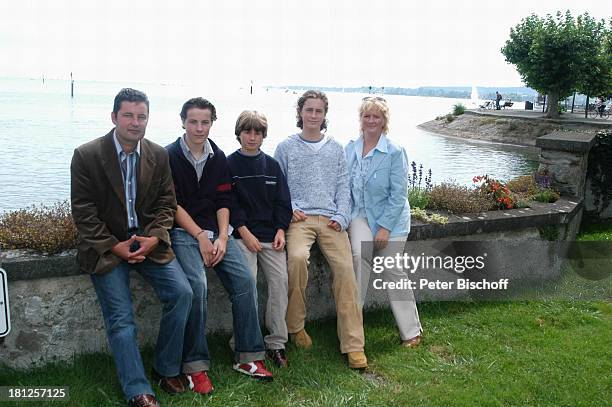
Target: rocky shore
(499, 129)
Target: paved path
(565, 118)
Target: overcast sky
(277, 42)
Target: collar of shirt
(382, 146)
(120, 149)
(208, 151)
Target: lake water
(40, 125)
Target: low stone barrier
(55, 314)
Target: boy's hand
(298, 216)
(334, 225)
(279, 240)
(219, 249)
(206, 249)
(249, 240)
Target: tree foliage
(555, 54)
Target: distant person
(380, 213)
(498, 98)
(202, 241)
(262, 214)
(601, 104)
(315, 167)
(123, 205)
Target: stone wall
(55, 314)
(566, 156)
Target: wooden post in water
(71, 86)
(251, 86)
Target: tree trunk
(553, 105)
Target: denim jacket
(386, 186)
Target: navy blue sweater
(201, 199)
(262, 194)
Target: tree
(553, 54)
(597, 79)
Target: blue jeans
(114, 296)
(242, 289)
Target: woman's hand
(381, 239)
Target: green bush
(449, 118)
(418, 198)
(546, 196)
(454, 198)
(47, 229)
(458, 109)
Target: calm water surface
(40, 125)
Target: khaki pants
(336, 248)
(403, 304)
(273, 263)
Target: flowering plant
(495, 190)
(419, 187)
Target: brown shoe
(278, 357)
(301, 339)
(412, 343)
(357, 360)
(171, 385)
(143, 400)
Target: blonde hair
(251, 119)
(377, 104)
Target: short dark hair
(251, 120)
(311, 94)
(129, 95)
(198, 103)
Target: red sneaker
(199, 382)
(256, 369)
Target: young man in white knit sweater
(315, 167)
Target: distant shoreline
(505, 130)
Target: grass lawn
(551, 352)
(554, 353)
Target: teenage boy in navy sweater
(201, 240)
(261, 217)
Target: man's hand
(279, 240)
(122, 250)
(249, 240)
(334, 225)
(206, 249)
(381, 239)
(147, 245)
(298, 216)
(219, 249)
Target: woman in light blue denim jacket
(380, 213)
